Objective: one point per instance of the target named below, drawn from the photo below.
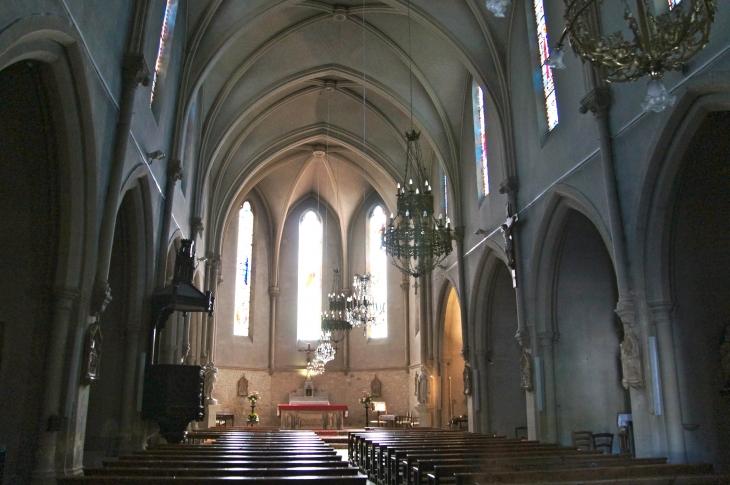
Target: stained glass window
(378, 270)
(241, 324)
(480, 139)
(163, 51)
(673, 3)
(309, 300)
(548, 84)
(445, 191)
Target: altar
(310, 408)
(312, 416)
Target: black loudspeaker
(173, 396)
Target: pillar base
(425, 418)
(209, 419)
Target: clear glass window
(242, 315)
(378, 270)
(309, 299)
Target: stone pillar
(52, 414)
(273, 294)
(463, 300)
(174, 173)
(406, 320)
(549, 426)
(481, 391)
(215, 267)
(426, 352)
(134, 73)
(129, 391)
(663, 312)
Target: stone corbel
(135, 71)
(196, 227)
(174, 171)
(597, 102)
(101, 296)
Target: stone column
(215, 267)
(273, 294)
(549, 426)
(482, 391)
(52, 414)
(204, 357)
(134, 73)
(174, 173)
(406, 320)
(663, 312)
(426, 353)
(463, 301)
(129, 392)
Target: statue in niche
(467, 379)
(243, 386)
(526, 370)
(422, 386)
(210, 371)
(375, 387)
(92, 353)
(631, 361)
(725, 361)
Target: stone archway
(453, 401)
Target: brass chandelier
(665, 37)
(415, 241)
(334, 321)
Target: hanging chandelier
(334, 320)
(415, 241)
(665, 38)
(361, 308)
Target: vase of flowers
(367, 401)
(253, 418)
(253, 398)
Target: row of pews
(231, 457)
(419, 457)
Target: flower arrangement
(366, 398)
(253, 417)
(254, 397)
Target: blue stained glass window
(163, 51)
(378, 270)
(242, 313)
(309, 299)
(548, 84)
(673, 3)
(480, 140)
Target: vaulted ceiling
(313, 97)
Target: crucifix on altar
(509, 245)
(309, 350)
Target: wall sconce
(156, 155)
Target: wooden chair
(521, 432)
(604, 442)
(583, 440)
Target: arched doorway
(505, 405)
(28, 256)
(588, 390)
(112, 425)
(699, 263)
(453, 400)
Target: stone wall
(396, 391)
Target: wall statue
(210, 371)
(526, 370)
(243, 386)
(92, 353)
(725, 361)
(422, 390)
(375, 387)
(631, 361)
(467, 379)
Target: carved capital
(134, 70)
(510, 186)
(465, 354)
(64, 297)
(662, 311)
(196, 227)
(459, 234)
(626, 309)
(274, 291)
(597, 102)
(405, 286)
(523, 337)
(174, 171)
(101, 296)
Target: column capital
(174, 171)
(548, 339)
(274, 291)
(65, 294)
(510, 186)
(101, 296)
(135, 71)
(459, 234)
(626, 309)
(196, 227)
(597, 102)
(523, 337)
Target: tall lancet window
(163, 51)
(309, 299)
(378, 269)
(548, 84)
(480, 140)
(241, 324)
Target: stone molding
(135, 71)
